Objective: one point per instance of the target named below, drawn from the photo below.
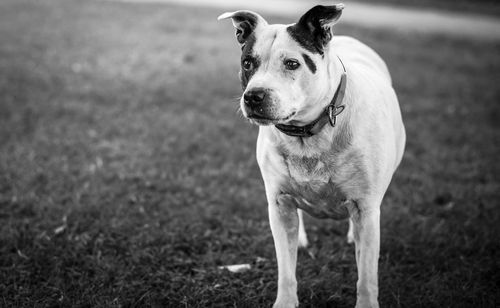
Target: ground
(127, 175)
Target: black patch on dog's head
(309, 62)
(247, 53)
(304, 39)
(313, 30)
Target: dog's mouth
(264, 120)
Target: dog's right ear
(245, 23)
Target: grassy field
(127, 176)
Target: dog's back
(372, 77)
(354, 52)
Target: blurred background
(127, 177)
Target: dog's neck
(328, 140)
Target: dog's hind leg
(303, 242)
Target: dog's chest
(312, 185)
(305, 169)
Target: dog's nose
(254, 97)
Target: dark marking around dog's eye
(309, 62)
(247, 64)
(247, 57)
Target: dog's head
(284, 68)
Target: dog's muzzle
(254, 100)
(258, 105)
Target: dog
(330, 138)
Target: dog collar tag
(333, 112)
(333, 109)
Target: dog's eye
(291, 64)
(247, 64)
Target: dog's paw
(286, 303)
(362, 302)
(367, 305)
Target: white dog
(330, 136)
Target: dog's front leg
(366, 223)
(284, 223)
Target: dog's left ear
(245, 22)
(318, 23)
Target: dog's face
(284, 68)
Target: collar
(329, 114)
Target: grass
(127, 177)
